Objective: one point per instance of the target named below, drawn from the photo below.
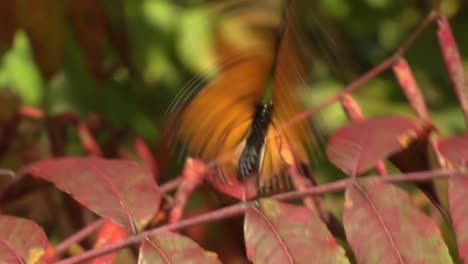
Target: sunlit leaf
(383, 226)
(282, 233)
(167, 247)
(122, 191)
(21, 241)
(359, 146)
(109, 233)
(23, 73)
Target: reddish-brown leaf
(359, 146)
(354, 112)
(454, 150)
(7, 25)
(414, 158)
(282, 233)
(458, 197)
(192, 177)
(383, 226)
(453, 63)
(109, 233)
(21, 241)
(168, 247)
(410, 87)
(44, 23)
(123, 191)
(89, 23)
(145, 154)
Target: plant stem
(89, 229)
(381, 67)
(170, 185)
(78, 236)
(239, 208)
(389, 62)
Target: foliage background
(125, 60)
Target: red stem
(453, 63)
(91, 228)
(410, 87)
(88, 141)
(239, 208)
(78, 236)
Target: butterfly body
(250, 158)
(227, 121)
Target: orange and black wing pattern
(228, 120)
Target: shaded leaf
(7, 25)
(359, 146)
(109, 233)
(89, 23)
(123, 191)
(414, 158)
(282, 233)
(168, 247)
(21, 241)
(383, 226)
(458, 195)
(454, 150)
(44, 23)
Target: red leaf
(192, 177)
(383, 226)
(122, 191)
(453, 62)
(234, 188)
(21, 241)
(282, 233)
(167, 247)
(354, 112)
(411, 89)
(458, 195)
(109, 233)
(359, 146)
(144, 152)
(454, 150)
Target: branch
(389, 62)
(7, 172)
(239, 208)
(78, 236)
(91, 228)
(384, 65)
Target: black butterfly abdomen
(249, 160)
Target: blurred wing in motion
(228, 122)
(290, 145)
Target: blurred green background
(126, 60)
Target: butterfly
(237, 120)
